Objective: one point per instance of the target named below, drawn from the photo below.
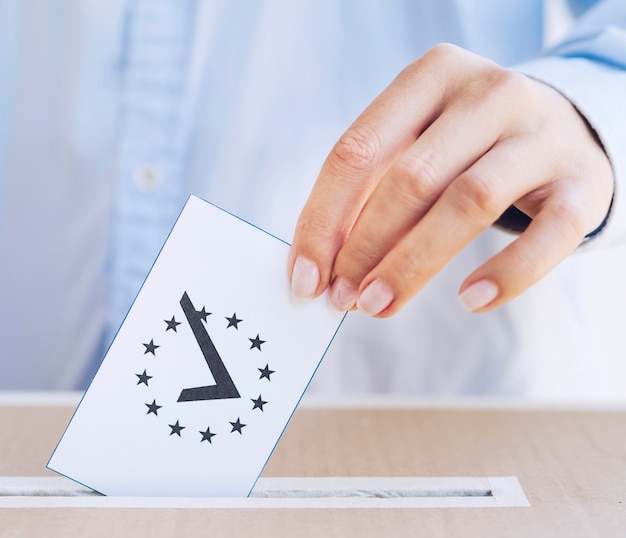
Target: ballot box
(369, 466)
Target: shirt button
(148, 177)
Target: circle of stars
(207, 435)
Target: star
(151, 347)
(176, 428)
(256, 342)
(172, 324)
(143, 378)
(265, 372)
(233, 322)
(206, 436)
(202, 314)
(237, 426)
(153, 408)
(258, 403)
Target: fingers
(567, 213)
(357, 162)
(551, 236)
(468, 206)
(434, 161)
(519, 169)
(415, 181)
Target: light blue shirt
(111, 113)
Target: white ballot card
(204, 373)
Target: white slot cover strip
(285, 493)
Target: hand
(436, 159)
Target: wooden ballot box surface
(570, 463)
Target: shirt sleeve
(589, 68)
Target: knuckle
(505, 82)
(437, 58)
(443, 52)
(569, 220)
(358, 148)
(416, 180)
(495, 86)
(409, 265)
(477, 197)
(354, 259)
(507, 87)
(314, 229)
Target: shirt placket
(150, 182)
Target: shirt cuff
(597, 91)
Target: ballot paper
(205, 371)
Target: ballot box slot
(39, 486)
(370, 493)
(287, 492)
(375, 487)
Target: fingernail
(375, 298)
(304, 278)
(478, 295)
(342, 295)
